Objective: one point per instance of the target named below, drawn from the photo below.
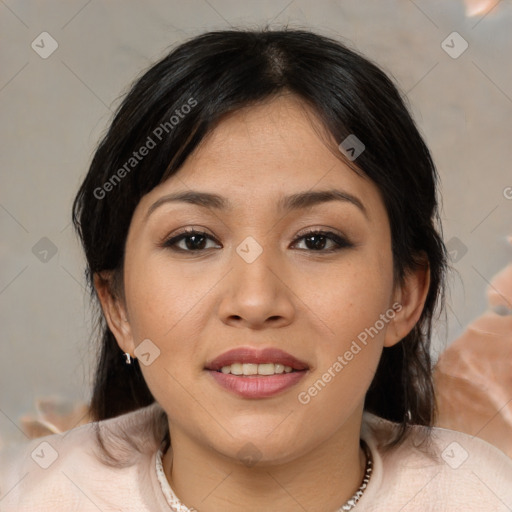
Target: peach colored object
(64, 473)
(54, 415)
(479, 7)
(500, 291)
(473, 377)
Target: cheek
(162, 296)
(164, 307)
(346, 364)
(351, 303)
(348, 296)
(167, 306)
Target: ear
(410, 299)
(114, 311)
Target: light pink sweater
(63, 472)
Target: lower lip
(257, 386)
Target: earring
(128, 358)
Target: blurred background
(64, 68)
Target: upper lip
(255, 356)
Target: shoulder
(70, 470)
(437, 470)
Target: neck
(321, 479)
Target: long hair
(181, 99)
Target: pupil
(320, 241)
(192, 242)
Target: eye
(194, 241)
(317, 240)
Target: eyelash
(340, 241)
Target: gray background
(54, 110)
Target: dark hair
(181, 99)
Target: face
(255, 275)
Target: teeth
(256, 369)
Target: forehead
(276, 137)
(257, 155)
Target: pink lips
(256, 386)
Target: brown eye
(317, 241)
(194, 241)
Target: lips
(255, 356)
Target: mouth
(247, 361)
(252, 374)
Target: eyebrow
(289, 203)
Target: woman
(260, 230)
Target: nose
(255, 293)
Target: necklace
(177, 506)
(351, 503)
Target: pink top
(65, 472)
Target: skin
(311, 303)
